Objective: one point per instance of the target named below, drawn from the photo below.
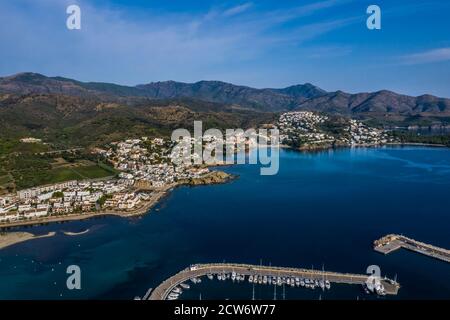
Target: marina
(393, 242)
(268, 275)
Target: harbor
(393, 242)
(173, 287)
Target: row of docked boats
(290, 281)
(255, 279)
(273, 280)
(224, 276)
(177, 291)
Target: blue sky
(256, 43)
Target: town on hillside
(310, 130)
(145, 169)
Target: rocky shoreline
(317, 148)
(214, 177)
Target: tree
(58, 194)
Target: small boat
(302, 282)
(279, 282)
(379, 289)
(322, 284)
(327, 284)
(265, 280)
(233, 276)
(250, 279)
(177, 290)
(195, 280)
(185, 286)
(210, 276)
(173, 296)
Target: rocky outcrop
(214, 177)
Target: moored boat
(185, 286)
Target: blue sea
(322, 209)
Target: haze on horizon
(258, 44)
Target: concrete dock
(162, 291)
(392, 242)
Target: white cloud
(238, 9)
(282, 16)
(116, 47)
(430, 56)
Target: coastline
(215, 177)
(88, 215)
(418, 144)
(11, 238)
(328, 147)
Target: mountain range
(68, 112)
(297, 97)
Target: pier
(147, 294)
(392, 242)
(199, 270)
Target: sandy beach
(10, 238)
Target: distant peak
(341, 93)
(385, 92)
(306, 90)
(26, 76)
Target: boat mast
(275, 291)
(253, 294)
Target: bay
(321, 209)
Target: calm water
(324, 208)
